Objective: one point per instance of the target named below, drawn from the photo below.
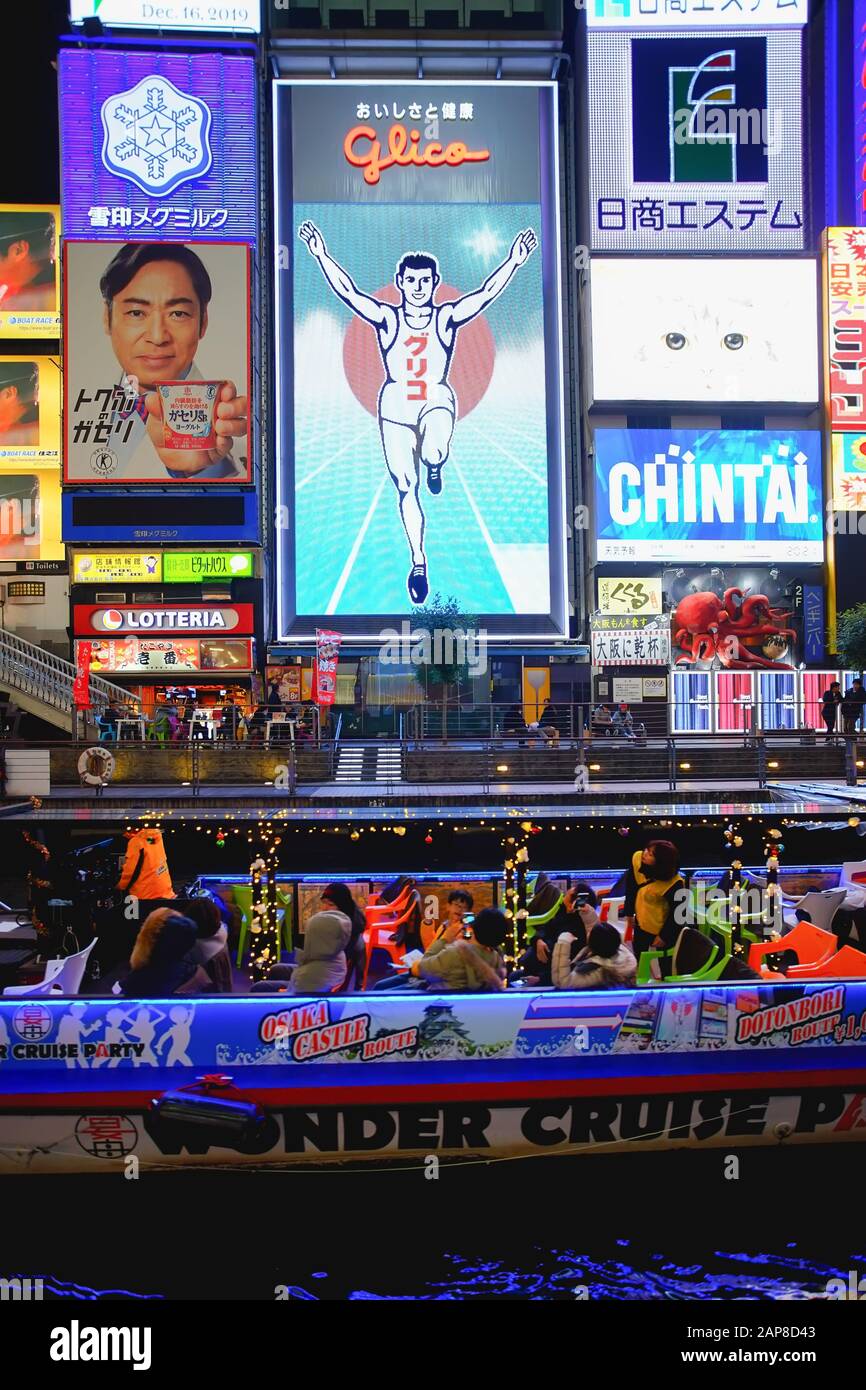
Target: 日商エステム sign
(695, 141)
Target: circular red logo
(112, 619)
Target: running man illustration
(417, 407)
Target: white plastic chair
(61, 976)
(853, 874)
(821, 907)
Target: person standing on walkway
(852, 706)
(830, 702)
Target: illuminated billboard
(29, 412)
(845, 292)
(29, 270)
(695, 140)
(701, 331)
(859, 72)
(162, 618)
(419, 417)
(737, 495)
(145, 656)
(675, 15)
(242, 15)
(167, 567)
(30, 515)
(156, 363)
(158, 146)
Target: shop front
(176, 629)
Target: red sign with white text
(196, 620)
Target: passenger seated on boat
(604, 962)
(535, 963)
(321, 964)
(161, 961)
(211, 944)
(475, 964)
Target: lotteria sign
(90, 618)
(685, 494)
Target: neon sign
(404, 148)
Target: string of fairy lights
(646, 823)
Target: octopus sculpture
(705, 626)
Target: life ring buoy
(96, 767)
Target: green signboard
(192, 566)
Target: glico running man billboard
(737, 495)
(419, 427)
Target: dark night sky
(29, 164)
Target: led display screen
(695, 141)
(29, 412)
(418, 353)
(705, 331)
(686, 494)
(29, 270)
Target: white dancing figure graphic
(417, 407)
(179, 1036)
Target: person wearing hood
(604, 962)
(160, 963)
(321, 966)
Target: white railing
(30, 670)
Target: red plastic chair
(847, 964)
(380, 932)
(813, 946)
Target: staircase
(41, 683)
(369, 763)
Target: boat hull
(419, 1076)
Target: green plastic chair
(243, 899)
(533, 923)
(706, 975)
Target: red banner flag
(325, 669)
(81, 683)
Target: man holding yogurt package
(155, 313)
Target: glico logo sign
(363, 149)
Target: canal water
(638, 1227)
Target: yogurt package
(188, 411)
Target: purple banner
(158, 146)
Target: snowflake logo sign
(156, 136)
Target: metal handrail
(30, 669)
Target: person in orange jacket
(145, 870)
